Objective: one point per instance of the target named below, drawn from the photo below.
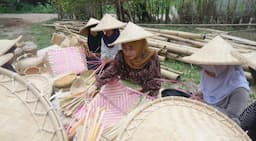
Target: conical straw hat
(179, 119)
(108, 22)
(215, 52)
(132, 32)
(5, 58)
(246, 58)
(5, 44)
(92, 21)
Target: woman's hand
(197, 96)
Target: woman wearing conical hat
(223, 83)
(7, 48)
(94, 42)
(110, 26)
(135, 62)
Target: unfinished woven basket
(25, 114)
(179, 119)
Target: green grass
(41, 35)
(28, 8)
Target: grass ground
(41, 35)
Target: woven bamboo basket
(179, 119)
(25, 114)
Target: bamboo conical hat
(5, 58)
(108, 22)
(91, 22)
(179, 119)
(132, 32)
(215, 52)
(246, 58)
(5, 44)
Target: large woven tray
(179, 119)
(25, 114)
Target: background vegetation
(150, 11)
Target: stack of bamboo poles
(178, 44)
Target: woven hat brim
(101, 28)
(107, 23)
(7, 44)
(91, 22)
(215, 52)
(5, 58)
(190, 119)
(248, 58)
(132, 32)
(202, 61)
(130, 40)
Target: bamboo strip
(171, 47)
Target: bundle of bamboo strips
(70, 104)
(92, 126)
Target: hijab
(143, 54)
(94, 42)
(108, 40)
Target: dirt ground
(13, 25)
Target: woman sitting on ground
(135, 62)
(223, 83)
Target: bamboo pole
(194, 43)
(178, 33)
(212, 30)
(248, 75)
(161, 58)
(180, 49)
(170, 75)
(239, 40)
(172, 70)
(159, 38)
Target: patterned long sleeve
(146, 77)
(152, 82)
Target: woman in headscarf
(135, 62)
(223, 83)
(110, 26)
(94, 43)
